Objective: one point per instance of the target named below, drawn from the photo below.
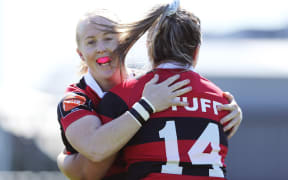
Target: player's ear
(80, 54)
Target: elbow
(60, 163)
(66, 166)
(97, 159)
(97, 155)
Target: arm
(98, 142)
(232, 120)
(77, 167)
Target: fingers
(231, 115)
(180, 92)
(233, 131)
(177, 102)
(180, 84)
(231, 134)
(228, 96)
(235, 122)
(154, 80)
(170, 80)
(235, 116)
(229, 107)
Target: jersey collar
(173, 66)
(90, 81)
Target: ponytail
(135, 30)
(174, 34)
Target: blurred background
(244, 51)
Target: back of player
(179, 143)
(182, 142)
(187, 141)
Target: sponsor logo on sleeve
(72, 101)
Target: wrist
(142, 110)
(147, 105)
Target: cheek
(114, 44)
(88, 58)
(90, 51)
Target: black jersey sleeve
(111, 106)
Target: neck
(107, 83)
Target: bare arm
(98, 142)
(232, 120)
(77, 167)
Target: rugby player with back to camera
(181, 142)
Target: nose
(101, 48)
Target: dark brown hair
(171, 37)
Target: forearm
(77, 167)
(111, 137)
(70, 166)
(97, 142)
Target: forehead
(89, 27)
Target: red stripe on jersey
(157, 176)
(73, 116)
(155, 151)
(115, 169)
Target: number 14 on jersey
(210, 135)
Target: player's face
(96, 47)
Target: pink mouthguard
(103, 60)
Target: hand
(163, 95)
(234, 117)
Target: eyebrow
(89, 37)
(104, 34)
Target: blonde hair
(104, 13)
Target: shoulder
(77, 87)
(203, 84)
(124, 88)
(75, 95)
(73, 99)
(211, 86)
(134, 85)
(118, 97)
(203, 87)
(74, 105)
(135, 72)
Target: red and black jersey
(180, 142)
(81, 99)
